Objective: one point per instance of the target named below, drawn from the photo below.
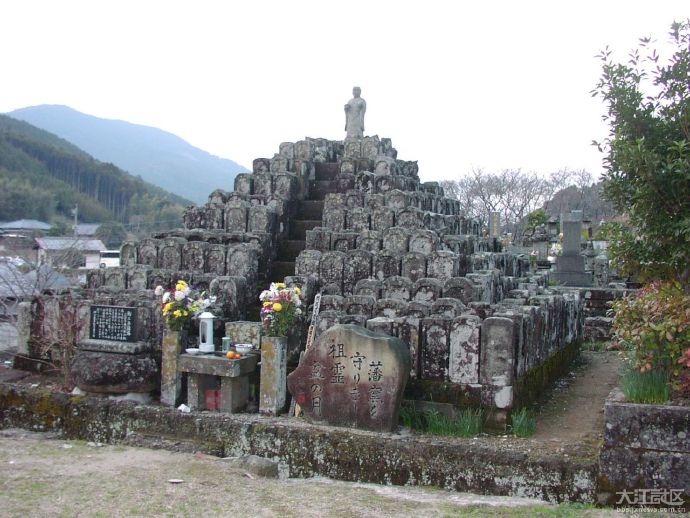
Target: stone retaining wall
(303, 450)
(645, 447)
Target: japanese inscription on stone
(352, 377)
(115, 323)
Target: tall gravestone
(352, 377)
(570, 265)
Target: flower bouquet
(280, 308)
(182, 303)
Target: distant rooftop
(87, 229)
(25, 224)
(66, 243)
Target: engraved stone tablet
(115, 323)
(352, 377)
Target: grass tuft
(648, 387)
(524, 423)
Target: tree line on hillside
(41, 180)
(515, 195)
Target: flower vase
(273, 384)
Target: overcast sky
(455, 85)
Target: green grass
(524, 424)
(648, 387)
(594, 345)
(468, 423)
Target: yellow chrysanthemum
(268, 303)
(181, 285)
(167, 308)
(177, 313)
(298, 291)
(277, 307)
(280, 285)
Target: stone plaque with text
(115, 323)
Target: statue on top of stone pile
(354, 115)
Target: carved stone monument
(352, 377)
(116, 358)
(354, 115)
(570, 265)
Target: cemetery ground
(57, 476)
(45, 476)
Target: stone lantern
(206, 332)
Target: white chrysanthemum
(166, 297)
(158, 291)
(179, 295)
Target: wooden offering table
(202, 370)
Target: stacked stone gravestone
(570, 265)
(116, 357)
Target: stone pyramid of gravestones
(388, 252)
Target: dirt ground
(574, 409)
(43, 476)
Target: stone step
(299, 227)
(282, 269)
(326, 170)
(289, 249)
(319, 188)
(310, 209)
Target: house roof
(25, 224)
(67, 243)
(87, 229)
(16, 284)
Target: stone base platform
(483, 465)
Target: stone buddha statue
(354, 115)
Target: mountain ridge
(42, 176)
(157, 156)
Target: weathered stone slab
(273, 374)
(397, 287)
(369, 240)
(447, 307)
(426, 290)
(464, 349)
(413, 266)
(318, 238)
(358, 266)
(497, 362)
(395, 241)
(459, 288)
(352, 377)
(386, 264)
(331, 269)
(114, 373)
(343, 241)
(128, 253)
(369, 287)
(382, 218)
(435, 348)
(244, 332)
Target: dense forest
(44, 177)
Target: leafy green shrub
(645, 387)
(524, 423)
(654, 328)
